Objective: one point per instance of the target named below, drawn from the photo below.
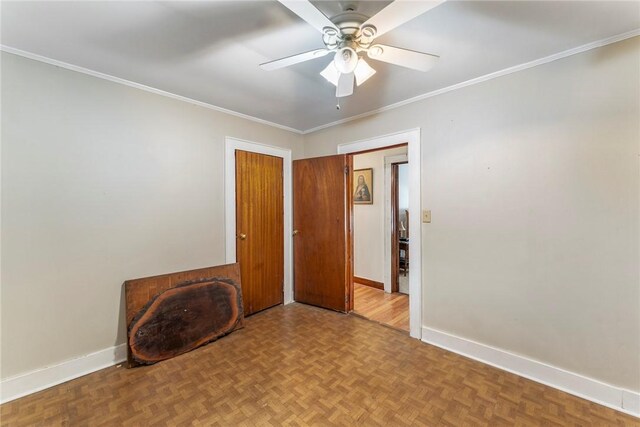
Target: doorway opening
(321, 210)
(380, 235)
(411, 138)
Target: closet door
(260, 229)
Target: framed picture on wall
(363, 186)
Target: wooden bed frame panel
(139, 291)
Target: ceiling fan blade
(305, 10)
(397, 13)
(345, 85)
(294, 59)
(403, 57)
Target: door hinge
(346, 170)
(346, 299)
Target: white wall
(101, 183)
(368, 220)
(533, 180)
(533, 183)
(403, 186)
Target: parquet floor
(375, 304)
(300, 365)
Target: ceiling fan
(349, 34)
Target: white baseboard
(631, 402)
(587, 388)
(21, 385)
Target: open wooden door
(322, 247)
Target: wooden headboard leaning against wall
(159, 301)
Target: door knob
(295, 232)
(242, 236)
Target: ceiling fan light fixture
(363, 71)
(368, 31)
(346, 60)
(331, 73)
(375, 51)
(329, 31)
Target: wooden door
(260, 229)
(322, 232)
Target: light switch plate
(426, 215)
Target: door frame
(232, 144)
(412, 138)
(388, 218)
(395, 215)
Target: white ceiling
(209, 51)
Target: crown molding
(490, 76)
(129, 83)
(484, 78)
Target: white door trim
(230, 147)
(412, 138)
(388, 160)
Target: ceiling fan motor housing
(351, 33)
(349, 22)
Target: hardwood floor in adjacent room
(375, 304)
(301, 365)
